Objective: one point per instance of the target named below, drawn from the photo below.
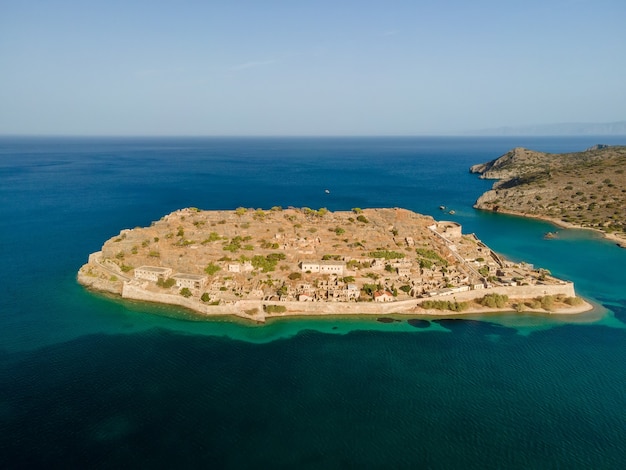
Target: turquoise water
(87, 380)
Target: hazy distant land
(559, 129)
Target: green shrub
(547, 302)
(426, 264)
(369, 289)
(386, 254)
(212, 269)
(185, 292)
(267, 263)
(213, 237)
(573, 301)
(426, 253)
(274, 308)
(494, 300)
(445, 305)
(322, 211)
(166, 283)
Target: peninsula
(256, 263)
(579, 190)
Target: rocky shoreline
(254, 310)
(257, 265)
(618, 239)
(583, 190)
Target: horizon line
(292, 136)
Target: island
(573, 190)
(256, 263)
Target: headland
(256, 264)
(572, 190)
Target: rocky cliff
(587, 189)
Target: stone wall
(514, 292)
(239, 308)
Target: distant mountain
(568, 128)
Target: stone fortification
(306, 261)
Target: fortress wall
(325, 308)
(136, 292)
(514, 292)
(95, 257)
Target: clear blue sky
(298, 67)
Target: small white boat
(327, 191)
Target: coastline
(451, 273)
(619, 241)
(254, 310)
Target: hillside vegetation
(586, 189)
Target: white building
(325, 266)
(383, 296)
(238, 268)
(152, 273)
(305, 298)
(404, 270)
(310, 266)
(332, 267)
(352, 291)
(191, 281)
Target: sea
(92, 381)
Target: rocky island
(256, 263)
(583, 189)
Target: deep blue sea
(88, 381)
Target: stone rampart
(136, 292)
(513, 292)
(255, 307)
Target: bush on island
(445, 305)
(274, 308)
(166, 283)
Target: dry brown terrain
(256, 263)
(586, 189)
